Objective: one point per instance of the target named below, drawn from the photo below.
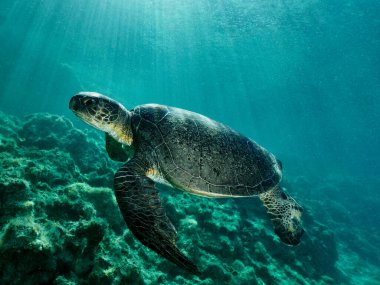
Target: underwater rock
(57, 137)
(60, 222)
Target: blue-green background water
(302, 78)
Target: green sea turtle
(187, 151)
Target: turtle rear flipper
(285, 215)
(144, 215)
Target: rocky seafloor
(60, 223)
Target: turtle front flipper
(144, 215)
(116, 150)
(285, 214)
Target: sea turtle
(188, 151)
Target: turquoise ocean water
(301, 78)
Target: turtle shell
(202, 156)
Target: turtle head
(104, 114)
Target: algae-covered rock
(60, 222)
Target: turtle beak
(74, 103)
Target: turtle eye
(89, 101)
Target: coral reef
(60, 223)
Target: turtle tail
(285, 214)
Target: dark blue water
(302, 78)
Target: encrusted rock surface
(60, 223)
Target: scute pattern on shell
(202, 156)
